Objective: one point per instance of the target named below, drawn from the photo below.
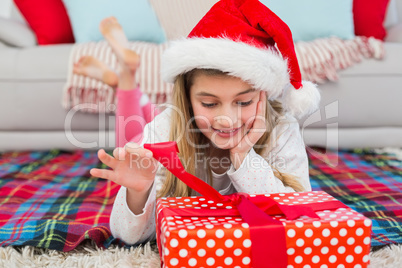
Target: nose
(227, 116)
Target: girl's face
(224, 108)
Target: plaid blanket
(368, 182)
(49, 200)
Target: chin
(226, 144)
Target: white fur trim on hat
(264, 69)
(302, 101)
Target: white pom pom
(303, 101)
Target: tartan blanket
(366, 181)
(49, 200)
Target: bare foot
(93, 68)
(114, 34)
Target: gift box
(309, 229)
(338, 238)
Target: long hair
(183, 123)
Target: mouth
(226, 132)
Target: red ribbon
(268, 248)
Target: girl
(134, 109)
(231, 116)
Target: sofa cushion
(394, 34)
(391, 17)
(369, 18)
(16, 14)
(35, 63)
(36, 106)
(16, 33)
(31, 82)
(137, 18)
(390, 65)
(366, 95)
(312, 19)
(179, 17)
(48, 19)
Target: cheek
(248, 115)
(203, 117)
(202, 123)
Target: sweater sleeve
(285, 152)
(124, 224)
(128, 227)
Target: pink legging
(131, 116)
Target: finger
(258, 127)
(141, 154)
(264, 103)
(115, 153)
(146, 153)
(102, 173)
(119, 153)
(147, 163)
(131, 147)
(138, 151)
(107, 159)
(260, 120)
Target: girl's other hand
(258, 128)
(132, 167)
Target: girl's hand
(132, 167)
(258, 128)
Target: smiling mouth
(226, 131)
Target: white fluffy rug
(147, 257)
(85, 256)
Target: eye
(208, 105)
(247, 103)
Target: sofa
(361, 109)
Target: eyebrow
(206, 94)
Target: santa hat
(239, 37)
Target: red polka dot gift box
(308, 229)
(338, 238)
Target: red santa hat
(242, 38)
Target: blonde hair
(180, 124)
